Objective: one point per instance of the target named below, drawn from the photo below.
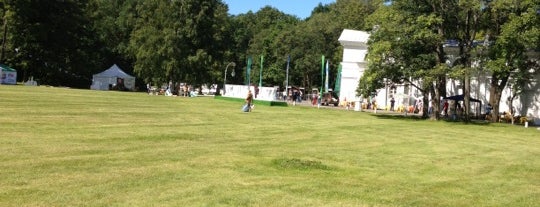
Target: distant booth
(113, 78)
(9, 75)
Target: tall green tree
(52, 41)
(513, 28)
(4, 12)
(269, 28)
(318, 35)
(404, 48)
(113, 23)
(351, 14)
(178, 40)
(277, 36)
(310, 40)
(465, 24)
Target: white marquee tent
(111, 77)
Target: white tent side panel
(103, 82)
(129, 83)
(9, 77)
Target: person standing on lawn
(249, 100)
(445, 108)
(392, 102)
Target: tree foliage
(50, 40)
(404, 48)
(65, 42)
(180, 40)
(408, 44)
(513, 28)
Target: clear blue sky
(299, 8)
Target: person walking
(249, 101)
(294, 97)
(314, 99)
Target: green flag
(338, 80)
(248, 71)
(260, 71)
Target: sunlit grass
(67, 147)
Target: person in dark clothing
(392, 102)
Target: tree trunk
(2, 54)
(435, 114)
(495, 93)
(439, 87)
(425, 108)
(467, 96)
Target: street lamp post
(225, 78)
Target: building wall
(350, 77)
(527, 104)
(353, 63)
(354, 54)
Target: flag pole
(322, 77)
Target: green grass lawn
(68, 147)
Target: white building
(354, 64)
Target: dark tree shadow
(420, 118)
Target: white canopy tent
(111, 78)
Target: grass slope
(67, 147)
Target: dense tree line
(64, 42)
(49, 40)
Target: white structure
(354, 64)
(111, 77)
(527, 104)
(241, 91)
(31, 82)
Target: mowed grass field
(69, 147)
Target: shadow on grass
(472, 121)
(420, 118)
(397, 116)
(300, 164)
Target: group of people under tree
(455, 110)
